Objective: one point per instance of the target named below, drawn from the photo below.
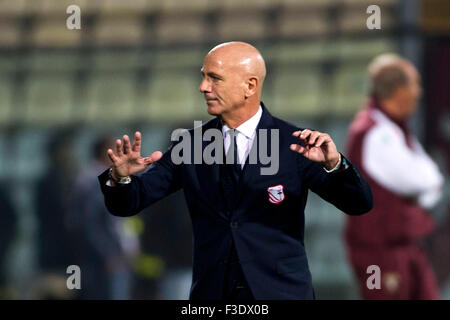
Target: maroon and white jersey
(405, 181)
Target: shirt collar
(248, 127)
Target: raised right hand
(127, 160)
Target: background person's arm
(392, 164)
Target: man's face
(407, 97)
(223, 84)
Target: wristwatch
(122, 180)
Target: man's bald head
(395, 82)
(233, 75)
(387, 72)
(241, 55)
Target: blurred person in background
(53, 203)
(439, 252)
(405, 181)
(173, 248)
(106, 245)
(166, 261)
(8, 233)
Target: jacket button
(234, 224)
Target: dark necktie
(230, 174)
(234, 167)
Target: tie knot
(232, 133)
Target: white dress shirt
(245, 134)
(402, 170)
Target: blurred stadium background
(135, 65)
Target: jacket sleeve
(161, 179)
(346, 188)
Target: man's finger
(137, 142)
(112, 156)
(322, 138)
(297, 133)
(126, 145)
(305, 134)
(298, 148)
(119, 149)
(313, 137)
(153, 158)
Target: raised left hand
(318, 147)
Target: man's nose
(205, 86)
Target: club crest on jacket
(276, 194)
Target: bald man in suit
(248, 226)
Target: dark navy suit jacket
(268, 236)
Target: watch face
(125, 180)
(344, 163)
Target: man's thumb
(153, 158)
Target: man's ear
(251, 87)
